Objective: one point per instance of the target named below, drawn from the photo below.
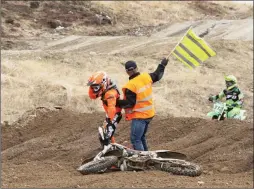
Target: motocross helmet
(98, 83)
(231, 81)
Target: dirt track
(46, 150)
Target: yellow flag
(192, 50)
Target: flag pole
(179, 42)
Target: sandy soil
(46, 150)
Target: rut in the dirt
(68, 137)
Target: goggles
(95, 87)
(229, 83)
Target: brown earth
(44, 148)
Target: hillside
(126, 18)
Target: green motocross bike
(220, 112)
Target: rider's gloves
(210, 98)
(164, 62)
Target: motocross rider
(234, 97)
(100, 85)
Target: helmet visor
(229, 83)
(95, 87)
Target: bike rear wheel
(188, 169)
(98, 165)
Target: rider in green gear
(234, 97)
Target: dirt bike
(220, 112)
(126, 159)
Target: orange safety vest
(142, 86)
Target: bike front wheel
(98, 165)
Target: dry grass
(129, 15)
(36, 83)
(155, 12)
(60, 79)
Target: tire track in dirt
(54, 143)
(222, 29)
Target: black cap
(130, 65)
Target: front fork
(103, 152)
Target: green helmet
(230, 81)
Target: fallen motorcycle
(220, 112)
(126, 159)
